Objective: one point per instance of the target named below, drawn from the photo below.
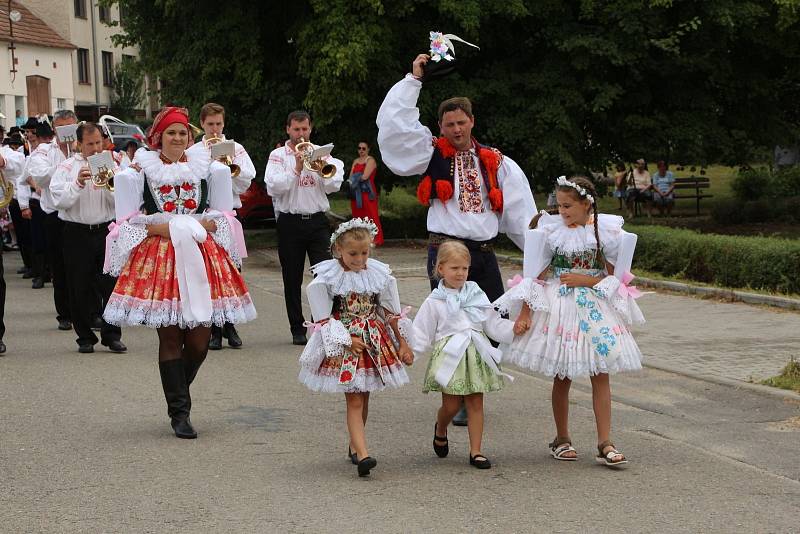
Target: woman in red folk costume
(175, 249)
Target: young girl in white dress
(572, 313)
(356, 346)
(453, 324)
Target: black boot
(190, 368)
(215, 342)
(176, 392)
(229, 331)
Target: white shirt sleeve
(390, 297)
(41, 169)
(128, 190)
(246, 173)
(220, 188)
(425, 325)
(497, 328)
(518, 204)
(64, 187)
(406, 145)
(319, 299)
(277, 177)
(15, 162)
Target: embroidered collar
(469, 298)
(168, 161)
(370, 280)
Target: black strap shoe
(365, 465)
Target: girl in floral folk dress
(358, 343)
(463, 364)
(574, 322)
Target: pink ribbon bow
(237, 231)
(404, 312)
(113, 234)
(627, 290)
(311, 328)
(514, 282)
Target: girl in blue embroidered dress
(575, 323)
(357, 346)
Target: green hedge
(730, 261)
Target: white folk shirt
(15, 163)
(303, 193)
(24, 191)
(84, 205)
(407, 147)
(247, 171)
(42, 165)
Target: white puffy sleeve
(498, 328)
(127, 232)
(424, 327)
(518, 204)
(247, 170)
(405, 144)
(329, 339)
(609, 288)
(278, 178)
(128, 190)
(390, 300)
(529, 290)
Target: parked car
(122, 133)
(257, 205)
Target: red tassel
(424, 191)
(496, 200)
(445, 148)
(490, 159)
(444, 190)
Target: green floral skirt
(472, 374)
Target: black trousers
(2, 299)
(84, 253)
(483, 268)
(298, 236)
(54, 233)
(22, 227)
(38, 241)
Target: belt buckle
(305, 216)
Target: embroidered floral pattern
(179, 199)
(470, 199)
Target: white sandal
(560, 446)
(607, 459)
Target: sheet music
(101, 162)
(322, 152)
(67, 133)
(223, 148)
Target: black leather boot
(176, 392)
(190, 368)
(215, 342)
(229, 331)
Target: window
(80, 9)
(61, 103)
(83, 66)
(108, 69)
(105, 14)
(123, 14)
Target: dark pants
(54, 231)
(84, 253)
(298, 236)
(22, 227)
(38, 241)
(2, 298)
(483, 268)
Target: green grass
(788, 379)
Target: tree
(559, 86)
(128, 90)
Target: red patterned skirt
(147, 288)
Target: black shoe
(461, 417)
(176, 393)
(97, 322)
(115, 346)
(37, 283)
(353, 456)
(441, 450)
(480, 461)
(27, 274)
(299, 339)
(22, 270)
(63, 324)
(85, 348)
(365, 465)
(215, 341)
(2, 348)
(229, 331)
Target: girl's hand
(521, 326)
(209, 225)
(406, 355)
(357, 345)
(578, 280)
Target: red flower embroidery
(186, 186)
(165, 189)
(346, 376)
(190, 204)
(169, 206)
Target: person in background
(663, 187)
(364, 189)
(640, 189)
(620, 184)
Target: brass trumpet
(104, 179)
(225, 160)
(306, 149)
(7, 189)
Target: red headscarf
(167, 116)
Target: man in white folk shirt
(87, 211)
(29, 196)
(42, 165)
(11, 164)
(473, 192)
(300, 197)
(212, 121)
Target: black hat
(442, 62)
(43, 129)
(14, 129)
(31, 124)
(14, 139)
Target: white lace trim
(130, 236)
(626, 306)
(364, 380)
(224, 236)
(607, 287)
(371, 280)
(132, 311)
(329, 341)
(527, 291)
(572, 240)
(159, 173)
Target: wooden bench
(693, 187)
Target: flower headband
(352, 224)
(562, 181)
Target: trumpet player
(87, 211)
(300, 198)
(212, 121)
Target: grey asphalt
(85, 445)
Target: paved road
(85, 445)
